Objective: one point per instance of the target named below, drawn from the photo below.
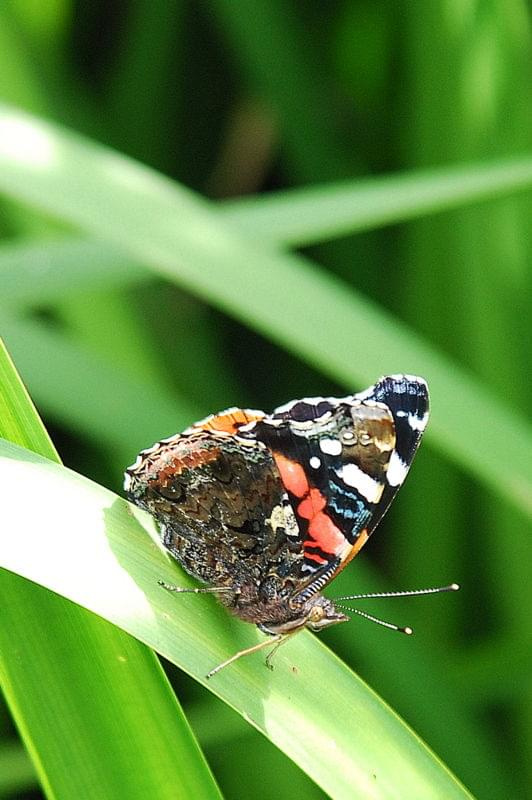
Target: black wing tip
(403, 392)
(407, 397)
(402, 383)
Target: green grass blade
(16, 770)
(112, 566)
(269, 43)
(138, 102)
(93, 705)
(19, 81)
(19, 421)
(46, 271)
(300, 217)
(115, 198)
(85, 376)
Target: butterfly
(267, 509)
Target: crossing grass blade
(301, 217)
(117, 199)
(36, 272)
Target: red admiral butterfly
(268, 508)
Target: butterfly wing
(222, 512)
(276, 505)
(407, 398)
(341, 462)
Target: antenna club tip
(454, 587)
(409, 631)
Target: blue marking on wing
(349, 508)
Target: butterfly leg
(276, 640)
(195, 590)
(274, 649)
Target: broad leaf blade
(312, 706)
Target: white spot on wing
(286, 406)
(315, 462)
(367, 486)
(418, 423)
(331, 447)
(249, 427)
(138, 462)
(170, 439)
(397, 470)
(309, 401)
(148, 451)
(283, 516)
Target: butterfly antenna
(453, 587)
(379, 621)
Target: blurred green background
(236, 99)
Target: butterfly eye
(172, 491)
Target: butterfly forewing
(342, 461)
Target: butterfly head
(322, 612)
(316, 613)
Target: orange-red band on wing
(326, 535)
(316, 557)
(312, 504)
(292, 475)
(229, 422)
(322, 531)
